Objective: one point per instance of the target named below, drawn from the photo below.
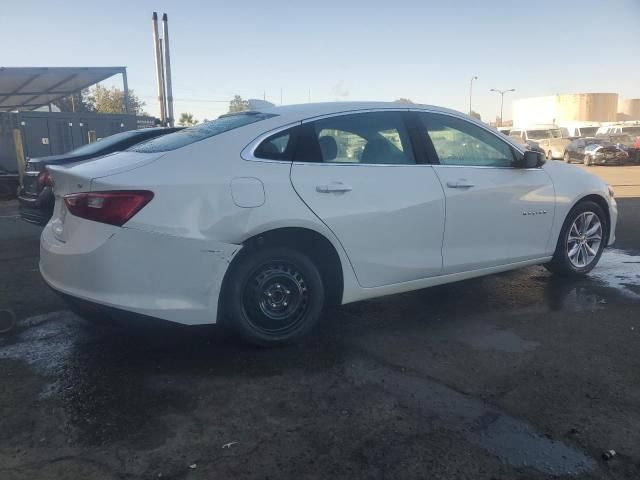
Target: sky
(423, 50)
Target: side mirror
(530, 159)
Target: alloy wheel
(584, 239)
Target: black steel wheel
(275, 295)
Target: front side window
(366, 138)
(458, 142)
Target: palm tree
(187, 120)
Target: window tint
(205, 130)
(368, 138)
(459, 142)
(276, 147)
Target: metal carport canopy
(27, 88)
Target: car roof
(310, 110)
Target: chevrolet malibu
(258, 219)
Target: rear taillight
(44, 179)
(112, 207)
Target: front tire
(567, 158)
(587, 160)
(274, 296)
(549, 155)
(581, 242)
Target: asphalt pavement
(520, 375)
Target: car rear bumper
(608, 161)
(162, 276)
(36, 208)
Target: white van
(581, 129)
(552, 139)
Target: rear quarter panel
(193, 197)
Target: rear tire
(567, 158)
(549, 155)
(587, 160)
(581, 241)
(274, 296)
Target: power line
(190, 99)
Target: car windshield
(539, 134)
(558, 133)
(205, 130)
(104, 143)
(588, 131)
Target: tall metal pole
(164, 86)
(167, 69)
(471, 92)
(125, 86)
(502, 92)
(159, 76)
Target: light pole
(502, 92)
(471, 91)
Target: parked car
(550, 138)
(36, 197)
(604, 153)
(595, 151)
(625, 135)
(259, 219)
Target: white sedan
(261, 218)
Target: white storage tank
(629, 109)
(575, 107)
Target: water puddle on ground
(46, 348)
(489, 337)
(515, 442)
(619, 270)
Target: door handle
(462, 183)
(337, 187)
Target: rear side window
(365, 138)
(277, 146)
(203, 131)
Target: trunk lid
(77, 177)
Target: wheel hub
(275, 298)
(584, 239)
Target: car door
(358, 173)
(495, 214)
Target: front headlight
(611, 192)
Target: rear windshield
(205, 130)
(105, 143)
